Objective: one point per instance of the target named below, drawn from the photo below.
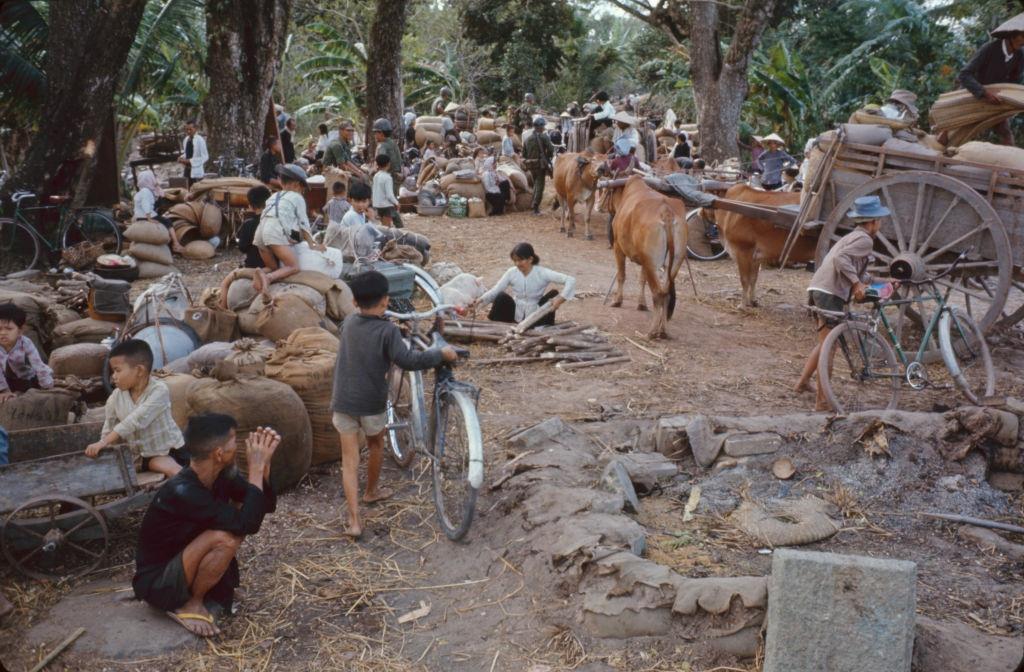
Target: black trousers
(504, 309)
(497, 202)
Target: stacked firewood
(568, 345)
(73, 292)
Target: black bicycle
(449, 434)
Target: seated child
(354, 235)
(257, 197)
(384, 201)
(369, 345)
(336, 208)
(138, 412)
(21, 367)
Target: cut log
(568, 366)
(534, 317)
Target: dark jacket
(368, 347)
(989, 66)
(538, 152)
(246, 234)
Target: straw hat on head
(774, 137)
(625, 118)
(451, 107)
(1014, 25)
(907, 98)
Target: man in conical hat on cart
(1000, 61)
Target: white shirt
(507, 147)
(321, 144)
(145, 204)
(607, 111)
(199, 155)
(529, 289)
(383, 190)
(630, 134)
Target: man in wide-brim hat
(905, 101)
(1001, 61)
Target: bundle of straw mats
(965, 117)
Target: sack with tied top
(212, 324)
(283, 315)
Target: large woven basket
(82, 255)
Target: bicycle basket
(82, 255)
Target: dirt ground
(316, 601)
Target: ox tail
(668, 221)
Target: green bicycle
(861, 370)
(24, 242)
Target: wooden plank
(73, 474)
(32, 444)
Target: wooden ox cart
(940, 207)
(55, 505)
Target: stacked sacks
(37, 408)
(305, 362)
(86, 330)
(198, 225)
(247, 354)
(989, 154)
(336, 296)
(428, 128)
(259, 402)
(150, 247)
(40, 319)
(83, 360)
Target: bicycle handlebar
(420, 316)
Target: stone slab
(840, 613)
(957, 647)
(616, 479)
(648, 470)
(744, 445)
(535, 435)
(117, 626)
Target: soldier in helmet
(441, 102)
(382, 131)
(537, 155)
(525, 113)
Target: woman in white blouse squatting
(528, 280)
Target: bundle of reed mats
(965, 117)
(568, 345)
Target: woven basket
(82, 255)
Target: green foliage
(23, 36)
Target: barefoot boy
(370, 344)
(841, 277)
(139, 412)
(21, 367)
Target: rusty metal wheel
(55, 537)
(936, 217)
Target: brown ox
(650, 229)
(752, 241)
(576, 182)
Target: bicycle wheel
(705, 242)
(92, 226)
(858, 370)
(966, 355)
(19, 247)
(406, 422)
(458, 463)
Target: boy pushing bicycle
(370, 344)
(842, 275)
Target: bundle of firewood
(73, 293)
(569, 345)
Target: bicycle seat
(57, 199)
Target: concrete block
(648, 470)
(743, 445)
(670, 436)
(531, 437)
(704, 445)
(839, 613)
(677, 433)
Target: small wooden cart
(55, 505)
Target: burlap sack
(86, 330)
(83, 360)
(39, 322)
(149, 270)
(212, 324)
(184, 212)
(210, 221)
(515, 175)
(310, 372)
(241, 294)
(467, 190)
(250, 355)
(313, 337)
(311, 296)
(247, 323)
(158, 254)
(186, 232)
(285, 314)
(179, 385)
(423, 137)
(867, 134)
(487, 137)
(335, 291)
(148, 231)
(990, 154)
(198, 250)
(476, 208)
(524, 200)
(864, 116)
(260, 402)
(426, 119)
(897, 145)
(36, 408)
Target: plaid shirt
(146, 426)
(26, 363)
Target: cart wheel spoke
(85, 520)
(83, 549)
(25, 529)
(25, 558)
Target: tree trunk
(88, 45)
(384, 69)
(720, 80)
(245, 40)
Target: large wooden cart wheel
(54, 537)
(935, 217)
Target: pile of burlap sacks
(459, 176)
